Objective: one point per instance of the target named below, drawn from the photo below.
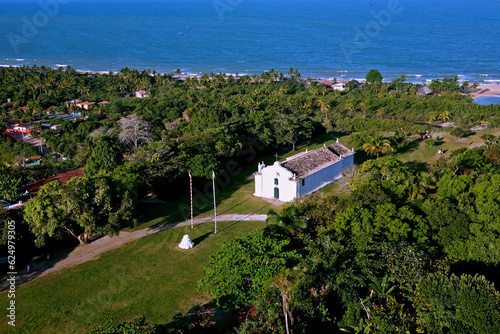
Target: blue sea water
(424, 39)
(484, 100)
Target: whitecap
(60, 65)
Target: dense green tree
(83, 207)
(373, 76)
(9, 185)
(292, 127)
(45, 216)
(105, 156)
(460, 131)
(242, 268)
(451, 304)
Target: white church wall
(265, 183)
(258, 184)
(289, 188)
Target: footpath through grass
(150, 276)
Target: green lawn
(150, 276)
(421, 153)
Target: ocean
(423, 39)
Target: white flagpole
(215, 206)
(191, 195)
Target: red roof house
(35, 187)
(326, 83)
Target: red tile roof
(34, 188)
(326, 83)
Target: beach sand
(486, 90)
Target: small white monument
(186, 242)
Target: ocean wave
(61, 65)
(20, 59)
(492, 80)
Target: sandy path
(92, 251)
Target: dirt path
(92, 251)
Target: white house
(302, 173)
(141, 93)
(340, 85)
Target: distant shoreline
(484, 89)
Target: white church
(303, 173)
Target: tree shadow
(416, 166)
(325, 137)
(490, 271)
(439, 141)
(361, 156)
(38, 266)
(199, 240)
(410, 147)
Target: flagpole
(191, 195)
(215, 206)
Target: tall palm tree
(377, 144)
(285, 282)
(286, 220)
(349, 107)
(432, 118)
(445, 115)
(323, 107)
(363, 107)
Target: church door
(276, 193)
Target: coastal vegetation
(405, 247)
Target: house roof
(307, 163)
(326, 83)
(142, 92)
(35, 187)
(424, 90)
(104, 102)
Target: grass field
(420, 153)
(150, 276)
